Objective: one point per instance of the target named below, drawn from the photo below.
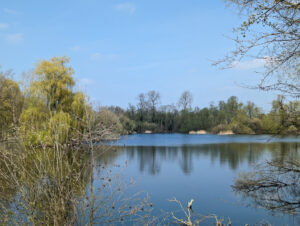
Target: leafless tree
(269, 34)
(142, 104)
(153, 100)
(185, 100)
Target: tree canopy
(55, 82)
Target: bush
(221, 127)
(292, 130)
(256, 125)
(269, 124)
(239, 128)
(129, 126)
(107, 124)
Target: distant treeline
(240, 118)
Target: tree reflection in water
(275, 186)
(151, 158)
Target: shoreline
(234, 134)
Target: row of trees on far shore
(241, 118)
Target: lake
(203, 168)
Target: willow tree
(53, 111)
(55, 83)
(271, 35)
(11, 99)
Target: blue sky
(119, 49)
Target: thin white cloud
(14, 38)
(251, 64)
(10, 11)
(126, 7)
(86, 81)
(140, 67)
(75, 48)
(3, 25)
(99, 56)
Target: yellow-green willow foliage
(53, 111)
(11, 102)
(81, 113)
(54, 82)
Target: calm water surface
(202, 167)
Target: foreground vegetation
(56, 186)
